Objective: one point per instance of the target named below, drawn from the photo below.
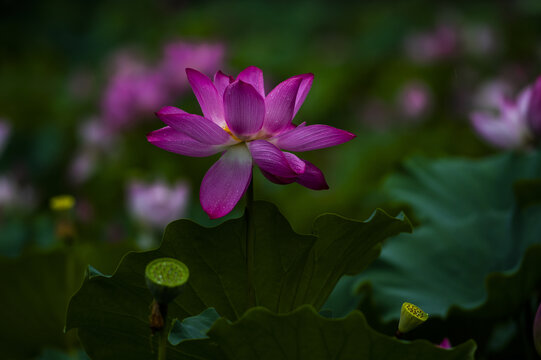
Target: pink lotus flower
(157, 204)
(5, 131)
(137, 87)
(537, 330)
(248, 127)
(437, 44)
(513, 124)
(414, 99)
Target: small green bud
(165, 278)
(411, 316)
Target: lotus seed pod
(165, 278)
(411, 316)
(537, 331)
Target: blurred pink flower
(157, 204)
(136, 89)
(376, 114)
(414, 99)
(179, 55)
(426, 47)
(491, 93)
(95, 139)
(14, 195)
(82, 165)
(511, 124)
(93, 133)
(133, 89)
(248, 127)
(5, 131)
(534, 109)
(537, 330)
(479, 39)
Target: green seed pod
(411, 316)
(165, 278)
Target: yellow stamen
(230, 133)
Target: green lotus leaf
(111, 313)
(303, 334)
(466, 261)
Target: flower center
(416, 311)
(230, 133)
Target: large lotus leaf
(447, 190)
(463, 261)
(303, 334)
(528, 192)
(290, 270)
(36, 288)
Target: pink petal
(226, 182)
(196, 127)
(169, 110)
(534, 108)
(499, 133)
(312, 178)
(445, 344)
(207, 96)
(253, 76)
(277, 179)
(304, 88)
(221, 81)
(171, 140)
(280, 104)
(270, 159)
(244, 109)
(311, 137)
(295, 163)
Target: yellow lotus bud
(62, 202)
(411, 316)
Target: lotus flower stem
(162, 344)
(250, 240)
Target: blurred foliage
(56, 63)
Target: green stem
(250, 241)
(162, 334)
(70, 270)
(162, 346)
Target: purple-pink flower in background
(537, 330)
(440, 43)
(179, 55)
(534, 109)
(157, 204)
(136, 87)
(414, 99)
(5, 131)
(248, 126)
(133, 88)
(512, 123)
